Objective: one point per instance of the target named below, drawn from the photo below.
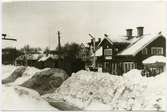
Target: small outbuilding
(154, 65)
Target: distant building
(120, 55)
(9, 51)
(154, 65)
(50, 61)
(28, 59)
(84, 52)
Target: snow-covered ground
(90, 91)
(22, 99)
(7, 70)
(19, 98)
(103, 91)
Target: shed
(154, 65)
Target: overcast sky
(37, 23)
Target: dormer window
(157, 50)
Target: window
(157, 50)
(144, 51)
(107, 52)
(128, 66)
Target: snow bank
(87, 90)
(29, 72)
(14, 75)
(7, 70)
(23, 99)
(46, 80)
(17, 74)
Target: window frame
(157, 50)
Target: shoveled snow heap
(23, 99)
(29, 72)
(87, 90)
(14, 72)
(7, 70)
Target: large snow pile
(14, 75)
(46, 80)
(7, 70)
(17, 74)
(22, 99)
(29, 72)
(87, 90)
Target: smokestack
(140, 31)
(129, 33)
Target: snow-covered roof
(44, 58)
(154, 59)
(103, 40)
(119, 40)
(112, 40)
(29, 57)
(83, 45)
(8, 44)
(139, 44)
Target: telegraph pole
(59, 50)
(59, 44)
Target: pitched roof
(137, 46)
(105, 38)
(118, 40)
(9, 44)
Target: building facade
(121, 55)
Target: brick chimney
(129, 33)
(140, 31)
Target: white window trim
(153, 48)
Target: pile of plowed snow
(44, 81)
(7, 70)
(17, 74)
(87, 90)
(29, 72)
(22, 99)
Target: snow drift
(14, 75)
(87, 90)
(28, 73)
(21, 99)
(43, 81)
(46, 80)
(7, 70)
